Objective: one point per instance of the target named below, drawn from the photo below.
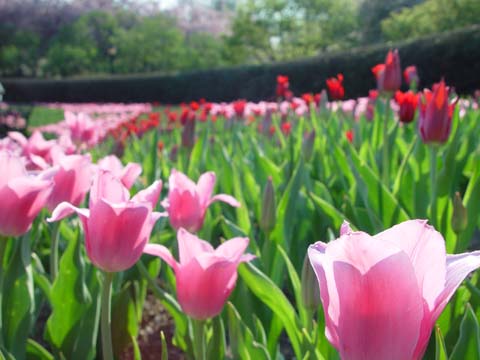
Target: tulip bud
(307, 146)
(310, 289)
(268, 219)
(459, 217)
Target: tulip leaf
(266, 290)
(72, 326)
(124, 317)
(468, 344)
(18, 302)
(440, 350)
(336, 217)
(35, 351)
(216, 345)
(242, 341)
(470, 201)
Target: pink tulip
(127, 174)
(72, 178)
(187, 202)
(116, 228)
(382, 294)
(22, 196)
(205, 276)
(36, 149)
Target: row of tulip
(294, 170)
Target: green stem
(54, 251)
(199, 339)
(3, 246)
(105, 317)
(433, 184)
(385, 159)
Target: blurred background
(77, 38)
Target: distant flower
(389, 75)
(335, 87)
(407, 102)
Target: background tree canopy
(51, 38)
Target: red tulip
(408, 102)
(389, 74)
(436, 114)
(335, 87)
(282, 86)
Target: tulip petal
(426, 249)
(378, 320)
(107, 186)
(179, 181)
(232, 249)
(205, 185)
(162, 252)
(322, 264)
(345, 228)
(130, 173)
(458, 267)
(117, 234)
(230, 200)
(12, 167)
(65, 209)
(190, 246)
(149, 195)
(201, 291)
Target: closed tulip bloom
(407, 102)
(410, 75)
(436, 114)
(382, 294)
(127, 174)
(72, 177)
(389, 74)
(335, 87)
(188, 202)
(116, 228)
(22, 195)
(205, 276)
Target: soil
(155, 319)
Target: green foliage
(430, 17)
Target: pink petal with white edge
(130, 173)
(65, 209)
(162, 252)
(378, 320)
(107, 186)
(458, 267)
(149, 195)
(320, 262)
(190, 246)
(232, 249)
(345, 228)
(179, 181)
(205, 185)
(426, 249)
(230, 200)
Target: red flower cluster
(283, 86)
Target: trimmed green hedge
(454, 56)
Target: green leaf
(216, 344)
(440, 350)
(35, 351)
(124, 317)
(242, 341)
(468, 344)
(266, 290)
(18, 301)
(72, 327)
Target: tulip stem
(3, 247)
(433, 184)
(199, 339)
(385, 170)
(54, 251)
(106, 317)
